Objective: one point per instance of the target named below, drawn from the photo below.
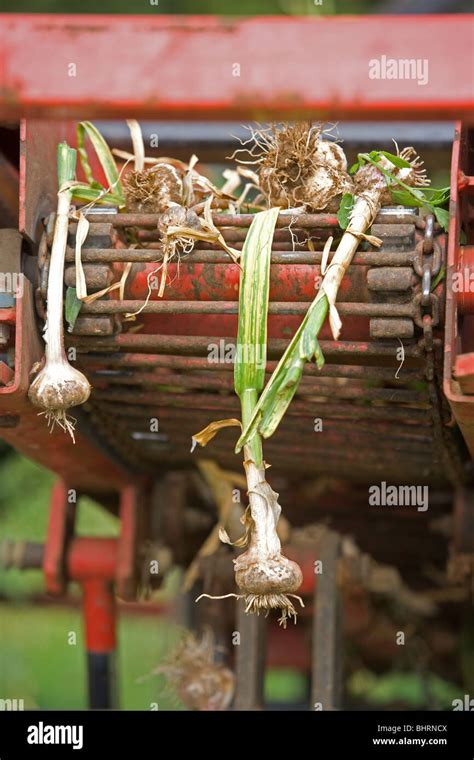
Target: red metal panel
(59, 528)
(92, 559)
(457, 356)
(126, 575)
(465, 272)
(38, 176)
(80, 464)
(203, 66)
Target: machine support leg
(250, 660)
(100, 639)
(326, 690)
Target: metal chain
(427, 265)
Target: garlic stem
(58, 386)
(54, 334)
(365, 209)
(264, 541)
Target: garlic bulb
(265, 577)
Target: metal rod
(250, 660)
(100, 637)
(209, 256)
(238, 234)
(214, 401)
(112, 306)
(130, 362)
(244, 220)
(199, 344)
(326, 687)
(101, 680)
(138, 416)
(308, 387)
(405, 416)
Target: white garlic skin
(58, 386)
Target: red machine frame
(189, 67)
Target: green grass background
(37, 663)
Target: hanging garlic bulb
(58, 386)
(266, 578)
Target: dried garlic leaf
(137, 142)
(81, 235)
(207, 434)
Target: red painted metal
(6, 374)
(81, 464)
(9, 182)
(100, 615)
(458, 356)
(465, 279)
(92, 558)
(68, 557)
(38, 180)
(60, 526)
(126, 574)
(463, 372)
(98, 564)
(39, 140)
(206, 282)
(224, 68)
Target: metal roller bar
(364, 443)
(389, 279)
(217, 381)
(97, 276)
(111, 306)
(238, 234)
(391, 328)
(204, 256)
(308, 388)
(311, 221)
(411, 417)
(136, 418)
(190, 344)
(212, 401)
(94, 326)
(130, 362)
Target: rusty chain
(427, 265)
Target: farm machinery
(392, 406)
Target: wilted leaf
(207, 434)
